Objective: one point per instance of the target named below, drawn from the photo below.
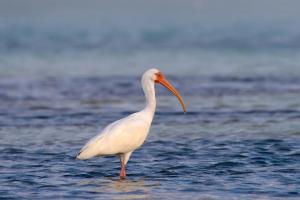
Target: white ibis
(124, 136)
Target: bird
(124, 136)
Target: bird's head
(158, 77)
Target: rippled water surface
(69, 69)
(239, 139)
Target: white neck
(149, 90)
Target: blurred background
(198, 37)
(70, 67)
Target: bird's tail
(84, 155)
(77, 157)
(80, 156)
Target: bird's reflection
(122, 189)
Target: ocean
(67, 72)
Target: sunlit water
(239, 139)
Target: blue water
(240, 139)
(69, 69)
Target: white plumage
(122, 137)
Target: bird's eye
(158, 76)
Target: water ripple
(230, 143)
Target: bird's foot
(122, 177)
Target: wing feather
(121, 136)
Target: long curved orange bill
(161, 80)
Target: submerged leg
(122, 171)
(123, 160)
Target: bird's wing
(120, 136)
(128, 134)
(97, 139)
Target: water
(240, 139)
(192, 37)
(66, 71)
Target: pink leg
(122, 171)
